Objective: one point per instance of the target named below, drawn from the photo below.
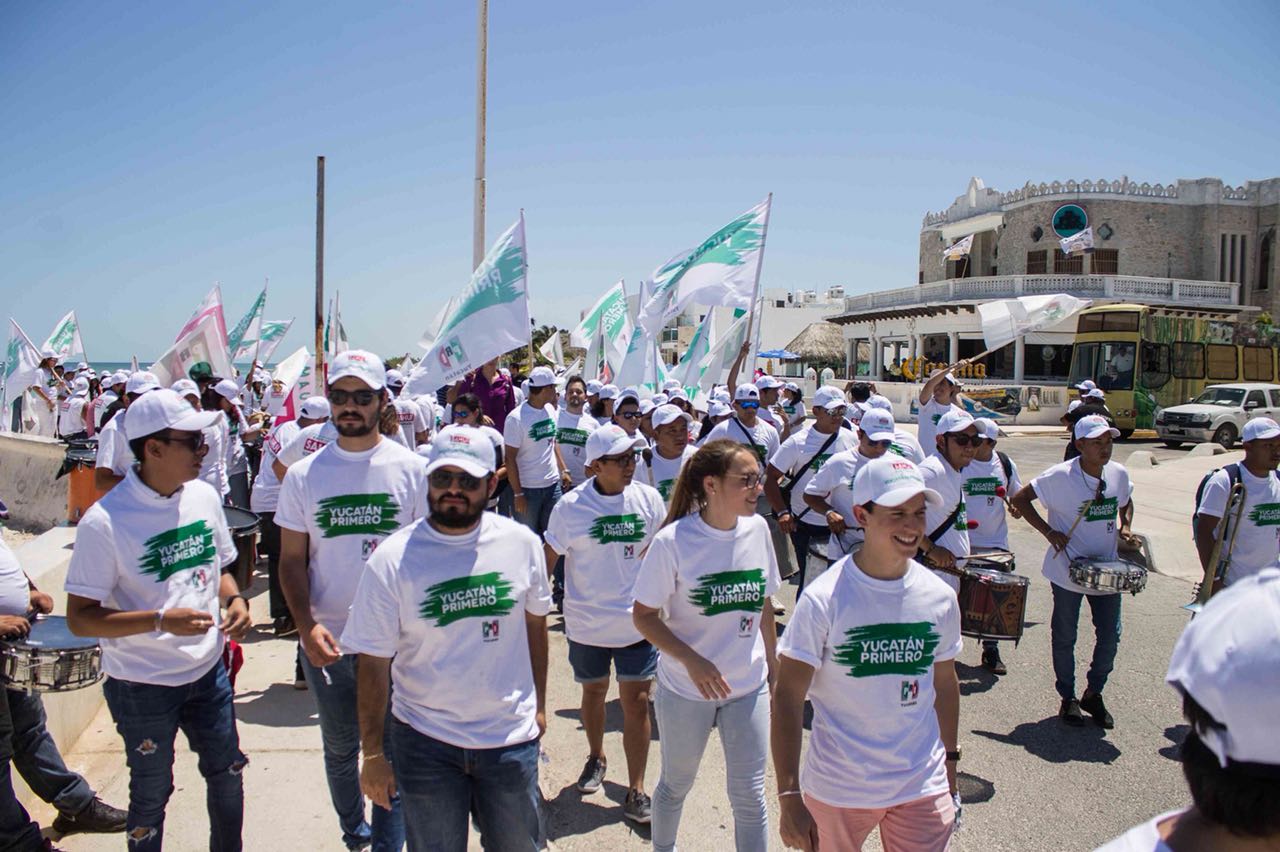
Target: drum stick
(1080, 517)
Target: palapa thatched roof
(820, 341)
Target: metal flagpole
(317, 379)
(482, 60)
(755, 293)
(257, 345)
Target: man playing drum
(947, 524)
(1089, 505)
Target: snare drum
(1108, 575)
(50, 658)
(244, 530)
(993, 603)
(996, 560)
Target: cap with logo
(829, 398)
(314, 408)
(877, 425)
(891, 481)
(954, 420)
(1260, 429)
(163, 409)
(464, 447)
(359, 364)
(745, 393)
(611, 440)
(185, 387)
(593, 387)
(1226, 660)
(664, 414)
(141, 382)
(767, 382)
(542, 377)
(1094, 426)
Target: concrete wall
(28, 465)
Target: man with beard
(453, 610)
(335, 507)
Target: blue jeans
(37, 759)
(744, 733)
(17, 831)
(340, 734)
(148, 718)
(538, 504)
(801, 537)
(442, 785)
(1063, 624)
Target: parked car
(1218, 414)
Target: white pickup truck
(1218, 414)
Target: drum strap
(1084, 510)
(945, 525)
(793, 478)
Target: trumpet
(1219, 561)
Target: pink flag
(211, 306)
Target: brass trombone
(1220, 562)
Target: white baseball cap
(593, 387)
(1094, 393)
(659, 399)
(1225, 659)
(954, 420)
(877, 425)
(359, 364)
(987, 428)
(881, 402)
(664, 414)
(461, 446)
(1260, 429)
(1074, 404)
(1087, 385)
(141, 382)
(745, 393)
(395, 378)
(163, 409)
(829, 397)
(951, 377)
(80, 386)
(718, 409)
(542, 377)
(629, 393)
(891, 481)
(314, 408)
(185, 387)
(646, 407)
(227, 389)
(677, 393)
(792, 386)
(767, 382)
(48, 352)
(610, 440)
(1093, 426)
(609, 391)
(119, 377)
(670, 385)
(721, 394)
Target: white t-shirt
(795, 413)
(927, 423)
(602, 539)
(429, 409)
(100, 406)
(266, 485)
(347, 504)
(531, 432)
(981, 504)
(764, 438)
(571, 434)
(15, 593)
(662, 472)
(307, 441)
(1257, 543)
(873, 644)
(237, 461)
(213, 467)
(834, 483)
(1064, 489)
(450, 610)
(948, 482)
(713, 585)
(110, 442)
(412, 421)
(798, 449)
(71, 414)
(1142, 838)
(906, 445)
(138, 550)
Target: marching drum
(1108, 575)
(993, 602)
(244, 530)
(996, 560)
(50, 658)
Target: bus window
(1107, 321)
(1257, 363)
(1115, 366)
(1221, 362)
(1082, 361)
(1188, 360)
(1156, 370)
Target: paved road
(1030, 783)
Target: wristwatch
(954, 755)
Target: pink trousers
(924, 825)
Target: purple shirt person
(496, 394)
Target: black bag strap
(750, 438)
(951, 519)
(795, 477)
(1007, 464)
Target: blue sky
(149, 149)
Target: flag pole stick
(319, 357)
(755, 292)
(482, 56)
(257, 346)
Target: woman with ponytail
(700, 599)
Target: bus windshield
(1221, 396)
(1109, 364)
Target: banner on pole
(960, 248)
(205, 343)
(242, 339)
(1005, 320)
(65, 337)
(273, 331)
(21, 369)
(210, 307)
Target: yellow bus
(1146, 357)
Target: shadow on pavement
(974, 790)
(571, 813)
(974, 679)
(1053, 741)
(612, 718)
(278, 706)
(1175, 734)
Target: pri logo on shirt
(746, 625)
(611, 528)
(489, 630)
(167, 553)
(888, 649)
(357, 514)
(729, 591)
(910, 692)
(484, 596)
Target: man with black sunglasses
(947, 525)
(336, 506)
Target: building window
(1037, 262)
(1222, 257)
(959, 268)
(1257, 363)
(920, 280)
(1264, 260)
(1067, 264)
(1105, 262)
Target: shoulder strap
(1007, 464)
(751, 438)
(951, 519)
(795, 477)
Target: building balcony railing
(1118, 287)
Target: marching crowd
(417, 546)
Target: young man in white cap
(535, 467)
(1096, 491)
(872, 644)
(452, 611)
(799, 458)
(905, 444)
(990, 480)
(114, 457)
(946, 541)
(940, 394)
(119, 379)
(74, 411)
(1084, 387)
(146, 577)
(414, 425)
(830, 492)
(601, 529)
(336, 506)
(1256, 544)
(573, 426)
(770, 410)
(226, 395)
(1224, 668)
(213, 467)
(671, 449)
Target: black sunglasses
(630, 415)
(963, 440)
(191, 442)
(442, 479)
(360, 397)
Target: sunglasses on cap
(360, 397)
(963, 440)
(749, 404)
(191, 442)
(442, 479)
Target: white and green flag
(273, 331)
(724, 349)
(21, 369)
(335, 336)
(642, 365)
(721, 271)
(489, 317)
(65, 337)
(689, 368)
(242, 339)
(552, 349)
(204, 343)
(605, 331)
